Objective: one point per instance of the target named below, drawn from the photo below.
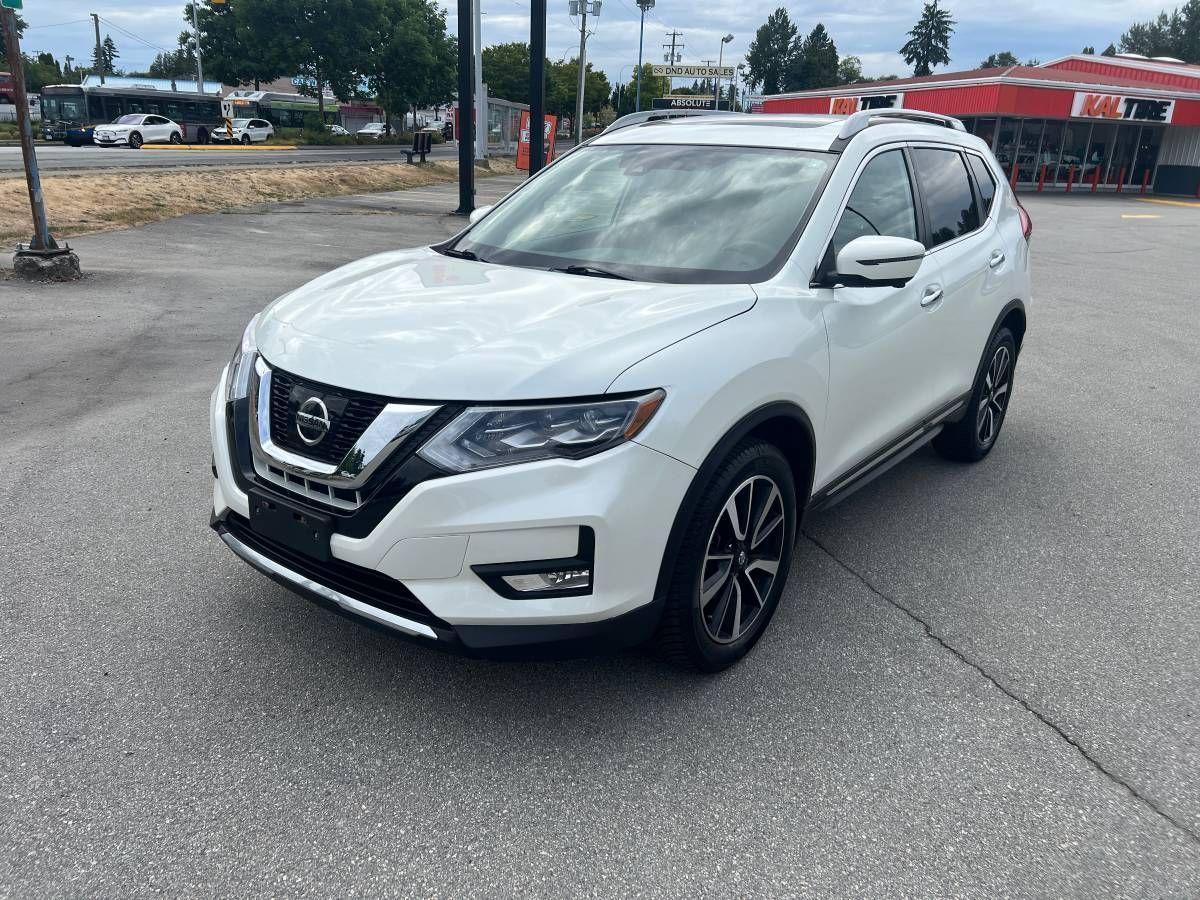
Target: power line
(56, 24)
(136, 37)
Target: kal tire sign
(848, 106)
(1118, 106)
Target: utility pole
(42, 248)
(99, 50)
(582, 8)
(672, 56)
(644, 6)
(466, 109)
(199, 65)
(537, 86)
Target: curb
(222, 147)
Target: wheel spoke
(722, 607)
(768, 518)
(770, 566)
(710, 587)
(737, 611)
(735, 518)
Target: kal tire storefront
(1081, 123)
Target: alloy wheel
(742, 558)
(994, 399)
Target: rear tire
(176, 137)
(733, 560)
(135, 141)
(972, 437)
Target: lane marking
(1188, 203)
(1140, 216)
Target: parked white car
(244, 131)
(598, 415)
(337, 130)
(136, 129)
(372, 131)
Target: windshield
(657, 213)
(128, 120)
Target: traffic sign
(10, 4)
(226, 109)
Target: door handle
(932, 295)
(996, 259)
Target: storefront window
(1006, 143)
(985, 130)
(1028, 167)
(1074, 150)
(1104, 135)
(1146, 156)
(1121, 159)
(1048, 154)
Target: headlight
(242, 364)
(483, 437)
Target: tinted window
(946, 189)
(881, 203)
(984, 181)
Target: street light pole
(466, 109)
(200, 65)
(720, 58)
(537, 86)
(643, 5)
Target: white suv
(598, 414)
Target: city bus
(69, 110)
(281, 110)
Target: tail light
(1026, 222)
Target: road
(60, 158)
(982, 681)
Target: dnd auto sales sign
(1090, 105)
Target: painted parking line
(1192, 203)
(1140, 216)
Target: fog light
(561, 580)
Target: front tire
(733, 560)
(246, 139)
(972, 437)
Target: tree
(812, 62)
(110, 54)
(1110, 50)
(1088, 50)
(40, 70)
(179, 63)
(998, 60)
(506, 71)
(563, 87)
(413, 59)
(652, 86)
(770, 52)
(331, 42)
(928, 42)
(849, 70)
(1176, 34)
(21, 25)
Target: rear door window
(984, 181)
(946, 190)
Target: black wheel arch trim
(1009, 307)
(743, 427)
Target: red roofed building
(1094, 122)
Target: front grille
(350, 413)
(362, 584)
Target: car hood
(418, 325)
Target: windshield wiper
(591, 271)
(461, 254)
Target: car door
(965, 244)
(155, 129)
(258, 130)
(880, 339)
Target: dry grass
(77, 204)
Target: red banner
(551, 129)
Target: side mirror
(877, 260)
(479, 213)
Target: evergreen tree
(997, 60)
(813, 62)
(928, 42)
(769, 54)
(21, 24)
(111, 55)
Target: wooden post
(41, 239)
(1042, 179)
(1095, 179)
(1070, 178)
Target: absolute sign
(1088, 105)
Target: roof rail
(862, 120)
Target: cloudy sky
(1028, 28)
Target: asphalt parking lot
(982, 681)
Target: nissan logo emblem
(312, 421)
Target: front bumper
(109, 142)
(430, 542)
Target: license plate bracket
(293, 526)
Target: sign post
(227, 115)
(42, 247)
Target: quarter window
(984, 181)
(880, 204)
(949, 200)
